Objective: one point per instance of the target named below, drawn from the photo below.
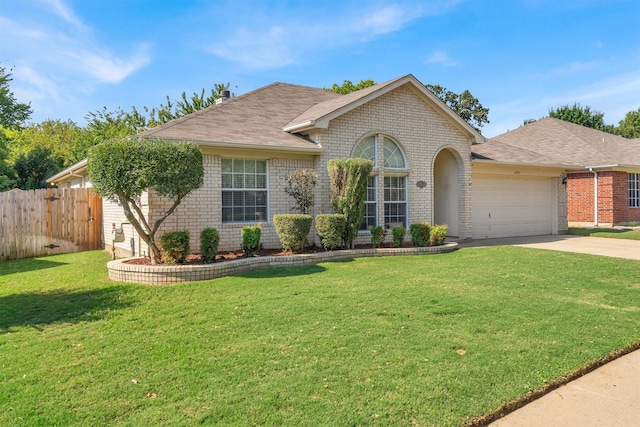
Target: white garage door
(509, 207)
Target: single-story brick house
(602, 170)
(422, 150)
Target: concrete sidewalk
(610, 395)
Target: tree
(348, 182)
(464, 104)
(629, 127)
(301, 185)
(580, 115)
(7, 175)
(12, 113)
(33, 169)
(121, 170)
(348, 86)
(61, 138)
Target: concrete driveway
(617, 248)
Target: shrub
(301, 184)
(251, 239)
(377, 236)
(209, 239)
(330, 228)
(174, 246)
(348, 181)
(292, 230)
(438, 234)
(398, 234)
(419, 233)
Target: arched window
(393, 157)
(394, 182)
(366, 149)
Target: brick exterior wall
(420, 131)
(613, 198)
(403, 115)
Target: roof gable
(319, 115)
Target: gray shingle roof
(256, 118)
(552, 141)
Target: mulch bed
(195, 259)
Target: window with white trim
(634, 190)
(394, 186)
(244, 190)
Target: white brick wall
(401, 114)
(420, 131)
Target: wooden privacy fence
(49, 221)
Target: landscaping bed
(140, 270)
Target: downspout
(595, 196)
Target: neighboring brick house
(420, 147)
(602, 171)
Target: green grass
(606, 232)
(373, 341)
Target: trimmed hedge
(209, 240)
(398, 234)
(420, 234)
(330, 228)
(378, 234)
(175, 246)
(292, 230)
(251, 240)
(438, 234)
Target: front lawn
(612, 233)
(425, 340)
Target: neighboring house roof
(554, 142)
(77, 170)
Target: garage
(504, 206)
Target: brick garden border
(159, 275)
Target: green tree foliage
(33, 169)
(7, 175)
(121, 170)
(464, 104)
(348, 181)
(301, 185)
(171, 111)
(12, 113)
(580, 115)
(347, 86)
(61, 138)
(629, 127)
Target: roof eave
(529, 164)
(312, 150)
(72, 171)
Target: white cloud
(107, 69)
(64, 12)
(440, 57)
(271, 41)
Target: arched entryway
(446, 191)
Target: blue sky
(519, 58)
